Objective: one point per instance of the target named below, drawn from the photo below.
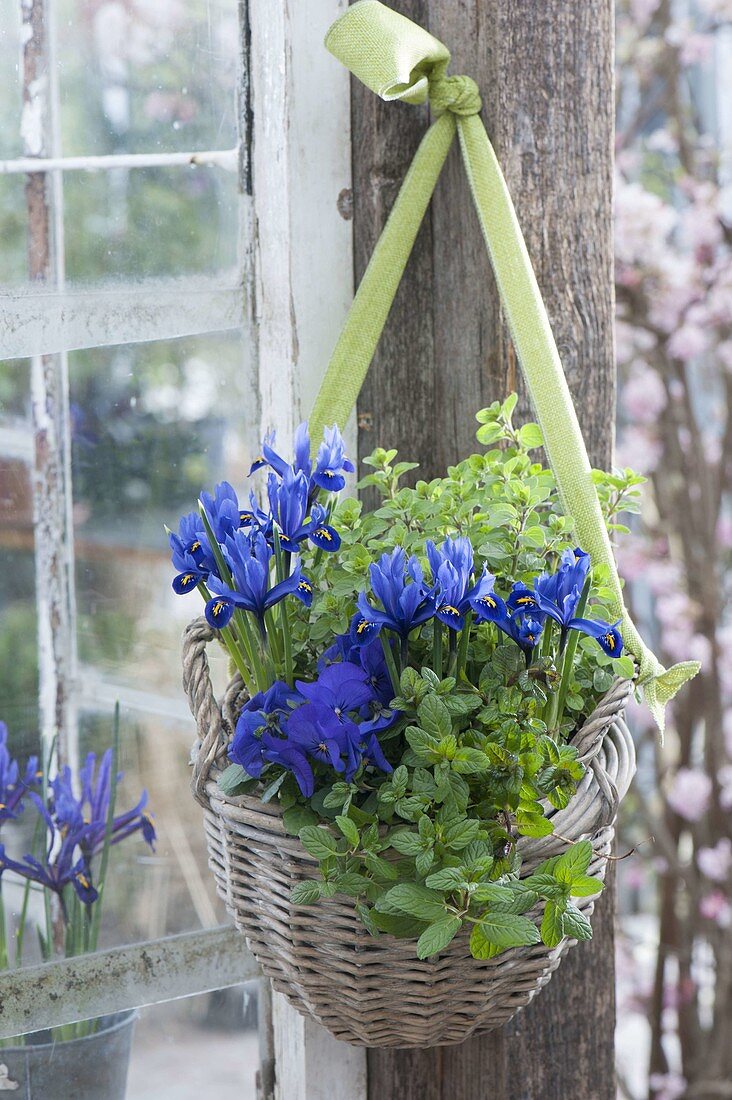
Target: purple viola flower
(293, 758)
(249, 556)
(367, 752)
(313, 730)
(331, 462)
(288, 501)
(452, 569)
(406, 602)
(340, 689)
(13, 786)
(263, 713)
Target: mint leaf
(306, 893)
(318, 842)
(434, 717)
(493, 894)
(480, 946)
(381, 869)
(552, 931)
(349, 830)
(530, 823)
(470, 761)
(297, 817)
(586, 886)
(573, 863)
(576, 924)
(409, 897)
(406, 842)
(461, 834)
(437, 936)
(449, 878)
(231, 778)
(509, 929)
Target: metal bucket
(92, 1068)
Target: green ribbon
(399, 60)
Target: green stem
(452, 653)
(462, 655)
(571, 640)
(108, 826)
(3, 935)
(437, 647)
(390, 662)
(23, 916)
(282, 570)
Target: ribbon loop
(399, 60)
(459, 94)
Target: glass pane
(202, 1046)
(152, 221)
(13, 229)
(144, 77)
(10, 82)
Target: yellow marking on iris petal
(610, 641)
(449, 609)
(3, 806)
(324, 533)
(363, 625)
(488, 601)
(83, 880)
(186, 580)
(148, 817)
(306, 586)
(526, 599)
(217, 608)
(195, 546)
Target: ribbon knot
(458, 94)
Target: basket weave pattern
(375, 992)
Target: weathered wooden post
(545, 70)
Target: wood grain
(545, 69)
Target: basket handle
(204, 707)
(400, 61)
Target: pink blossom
(688, 342)
(716, 862)
(696, 49)
(661, 141)
(721, 9)
(667, 1086)
(642, 10)
(638, 450)
(717, 908)
(689, 793)
(643, 222)
(724, 777)
(643, 396)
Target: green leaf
(459, 835)
(349, 830)
(552, 931)
(492, 894)
(576, 924)
(480, 946)
(437, 936)
(586, 886)
(424, 861)
(509, 929)
(530, 436)
(406, 842)
(409, 897)
(573, 863)
(297, 817)
(434, 717)
(352, 884)
(449, 878)
(318, 842)
(231, 778)
(306, 893)
(470, 761)
(381, 869)
(269, 792)
(625, 666)
(533, 824)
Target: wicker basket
(375, 992)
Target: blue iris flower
(523, 628)
(452, 569)
(222, 510)
(288, 501)
(331, 462)
(13, 788)
(270, 457)
(523, 598)
(406, 601)
(77, 829)
(558, 595)
(190, 553)
(249, 557)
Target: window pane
(13, 230)
(151, 221)
(11, 99)
(142, 76)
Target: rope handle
(210, 748)
(400, 61)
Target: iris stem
(462, 655)
(108, 828)
(437, 647)
(232, 646)
(452, 650)
(390, 662)
(3, 935)
(570, 639)
(282, 571)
